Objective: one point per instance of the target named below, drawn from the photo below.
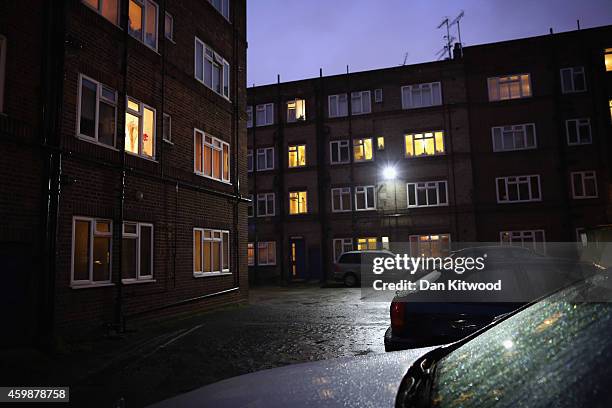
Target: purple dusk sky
(295, 38)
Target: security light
(389, 173)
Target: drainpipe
(119, 322)
(51, 114)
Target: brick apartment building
(123, 132)
(505, 142)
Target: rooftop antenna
(447, 46)
(456, 21)
(405, 58)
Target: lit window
(338, 105)
(251, 254)
(584, 184)
(296, 110)
(107, 8)
(91, 251)
(167, 128)
(421, 95)
(266, 253)
(518, 189)
(297, 156)
(378, 95)
(222, 7)
(573, 80)
(362, 149)
(365, 198)
(3, 46)
(265, 114)
(140, 129)
(424, 144)
(265, 158)
(578, 131)
(380, 143)
(298, 203)
(339, 151)
(137, 251)
(368, 243)
(384, 243)
(342, 245)
(360, 103)
(610, 102)
(211, 252)
(142, 23)
(608, 59)
(437, 245)
(516, 137)
(169, 27)
(265, 204)
(341, 199)
(509, 87)
(250, 160)
(427, 194)
(211, 157)
(249, 111)
(251, 207)
(97, 112)
(532, 239)
(211, 69)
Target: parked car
(526, 274)
(553, 352)
(348, 267)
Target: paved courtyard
(280, 326)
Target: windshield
(556, 352)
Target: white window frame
(265, 198)
(268, 166)
(416, 240)
(345, 244)
(167, 118)
(140, 114)
(516, 180)
(145, 4)
(519, 236)
(295, 148)
(215, 235)
(292, 117)
(571, 87)
(584, 175)
(225, 8)
(92, 234)
(215, 144)
(515, 130)
(3, 47)
(299, 202)
(270, 248)
(168, 17)
(339, 145)
(407, 93)
(499, 80)
(137, 236)
(251, 206)
(335, 100)
(577, 124)
(99, 11)
(361, 103)
(99, 99)
(361, 142)
(249, 111)
(430, 134)
(215, 60)
(439, 185)
(364, 190)
(268, 110)
(250, 162)
(344, 203)
(378, 95)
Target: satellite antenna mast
(448, 45)
(456, 21)
(405, 58)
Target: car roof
(370, 251)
